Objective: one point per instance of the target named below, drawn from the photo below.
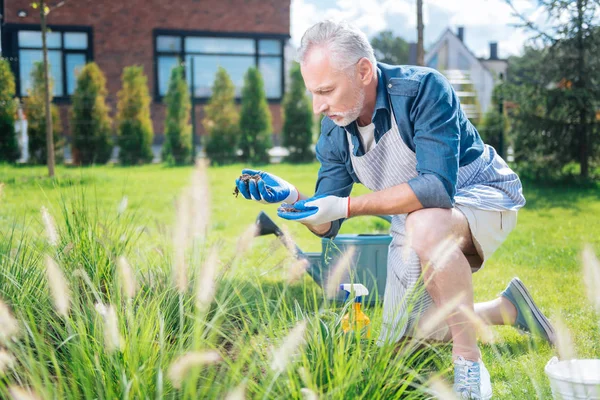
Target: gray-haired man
(400, 131)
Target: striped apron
(486, 183)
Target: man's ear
(366, 71)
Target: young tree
(35, 110)
(556, 86)
(420, 29)
(255, 119)
(9, 146)
(50, 156)
(298, 119)
(221, 121)
(390, 49)
(91, 125)
(177, 149)
(133, 118)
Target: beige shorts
(489, 229)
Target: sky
(484, 20)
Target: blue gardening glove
(317, 210)
(269, 189)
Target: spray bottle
(356, 319)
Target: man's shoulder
(405, 80)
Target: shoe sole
(537, 314)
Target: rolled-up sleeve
(436, 117)
(333, 178)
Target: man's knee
(426, 228)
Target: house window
(68, 52)
(208, 52)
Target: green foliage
(91, 125)
(298, 119)
(133, 118)
(390, 49)
(221, 121)
(177, 149)
(255, 307)
(9, 146)
(494, 124)
(133, 355)
(555, 86)
(34, 105)
(255, 119)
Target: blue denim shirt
(431, 123)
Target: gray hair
(346, 43)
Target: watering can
(368, 267)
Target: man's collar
(382, 101)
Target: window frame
(12, 31)
(183, 34)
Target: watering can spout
(266, 226)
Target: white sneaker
(471, 380)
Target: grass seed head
(112, 337)
(50, 227)
(181, 239)
(122, 205)
(245, 240)
(339, 271)
(292, 342)
(591, 275)
(59, 288)
(7, 361)
(128, 281)
(182, 365)
(440, 389)
(564, 340)
(9, 327)
(438, 317)
(297, 269)
(205, 291)
(19, 393)
(237, 393)
(308, 394)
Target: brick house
(235, 34)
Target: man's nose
(319, 106)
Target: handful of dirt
(288, 208)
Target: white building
(473, 78)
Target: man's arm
(394, 200)
(333, 179)
(436, 117)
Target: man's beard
(347, 117)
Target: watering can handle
(388, 218)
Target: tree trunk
(49, 134)
(581, 85)
(420, 47)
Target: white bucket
(574, 379)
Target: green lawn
(544, 251)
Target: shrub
(90, 120)
(133, 118)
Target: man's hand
(268, 189)
(317, 210)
